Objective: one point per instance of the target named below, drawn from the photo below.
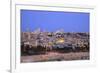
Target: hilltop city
(42, 43)
(54, 39)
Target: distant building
(49, 39)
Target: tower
(28, 34)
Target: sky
(52, 21)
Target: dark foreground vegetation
(39, 50)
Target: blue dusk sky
(52, 21)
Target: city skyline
(52, 21)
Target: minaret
(37, 31)
(28, 32)
(29, 35)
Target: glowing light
(50, 43)
(61, 40)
